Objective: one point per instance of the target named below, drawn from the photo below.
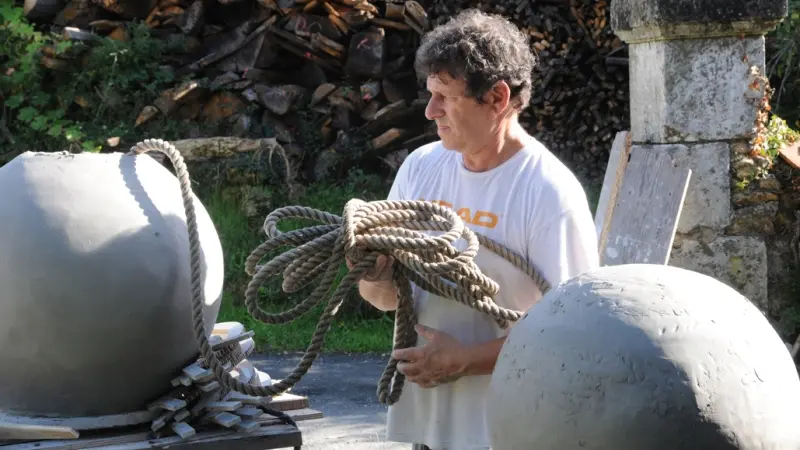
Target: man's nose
(433, 110)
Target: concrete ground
(342, 387)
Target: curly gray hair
(482, 49)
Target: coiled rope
(366, 230)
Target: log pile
(580, 97)
(333, 80)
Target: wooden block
(182, 380)
(288, 402)
(208, 387)
(181, 415)
(297, 415)
(648, 205)
(225, 341)
(200, 405)
(183, 429)
(161, 421)
(224, 419)
(247, 345)
(247, 426)
(224, 406)
(168, 404)
(244, 371)
(198, 374)
(231, 329)
(249, 411)
(243, 398)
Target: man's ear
(499, 97)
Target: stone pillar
(695, 92)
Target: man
(505, 185)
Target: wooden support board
(640, 205)
(617, 161)
(18, 431)
(271, 433)
(791, 155)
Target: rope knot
(418, 234)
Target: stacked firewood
(350, 63)
(267, 66)
(580, 97)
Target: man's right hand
(381, 271)
(376, 285)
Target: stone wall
(698, 93)
(766, 205)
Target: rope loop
(419, 235)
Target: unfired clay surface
(644, 357)
(95, 300)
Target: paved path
(343, 388)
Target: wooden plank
(265, 438)
(288, 402)
(17, 431)
(270, 437)
(791, 155)
(617, 161)
(647, 209)
(84, 423)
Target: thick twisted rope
(366, 230)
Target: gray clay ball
(644, 357)
(95, 283)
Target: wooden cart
(270, 433)
(196, 413)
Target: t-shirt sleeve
(566, 247)
(400, 185)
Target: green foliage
(783, 64)
(359, 327)
(73, 95)
(777, 135)
(38, 111)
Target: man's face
(463, 124)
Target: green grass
(358, 327)
(347, 335)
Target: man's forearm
(382, 295)
(480, 359)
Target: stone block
(695, 90)
(708, 199)
(639, 20)
(738, 261)
(754, 220)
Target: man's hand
(381, 271)
(376, 286)
(441, 360)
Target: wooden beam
(647, 207)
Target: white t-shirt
(533, 204)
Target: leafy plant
(60, 94)
(39, 110)
(776, 136)
(783, 64)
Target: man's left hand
(440, 360)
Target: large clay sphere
(644, 357)
(95, 298)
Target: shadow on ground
(344, 388)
